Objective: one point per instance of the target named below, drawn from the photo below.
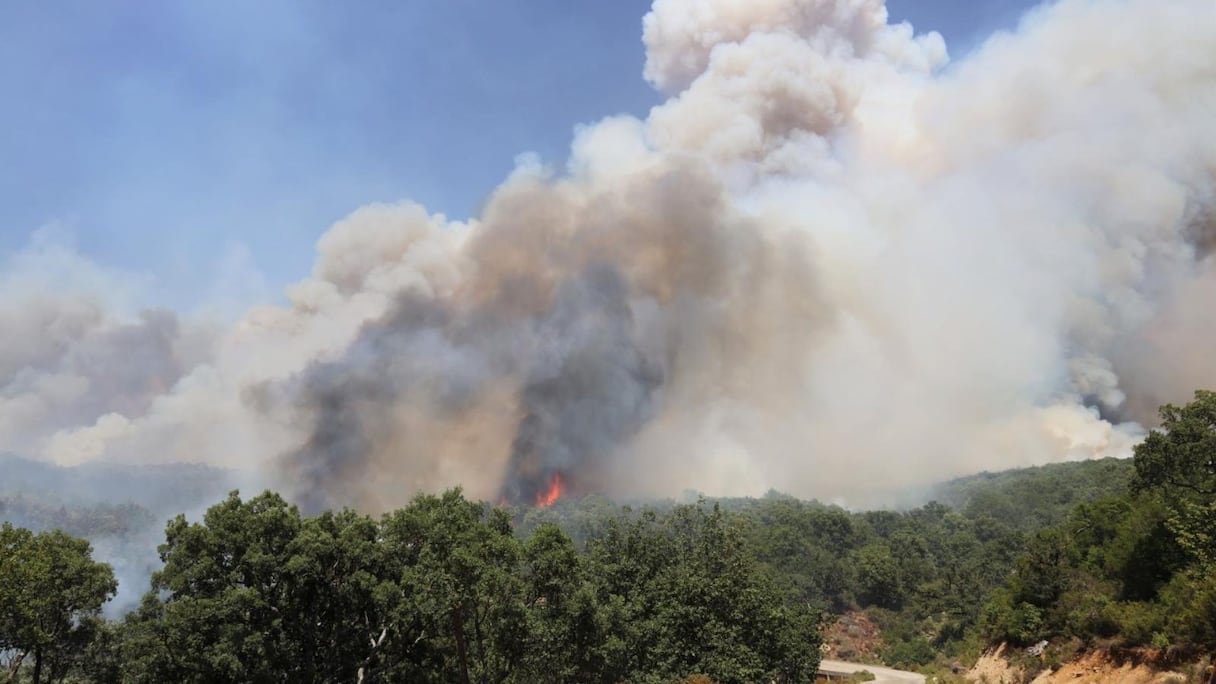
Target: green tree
(1179, 461)
(50, 589)
(256, 593)
(459, 615)
(878, 577)
(695, 601)
(221, 618)
(1043, 570)
(552, 575)
(806, 548)
(1004, 618)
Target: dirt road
(883, 675)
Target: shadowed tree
(50, 591)
(1179, 461)
(256, 593)
(460, 614)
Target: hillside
(1064, 554)
(1030, 498)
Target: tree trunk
(37, 665)
(15, 666)
(462, 651)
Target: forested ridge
(1098, 553)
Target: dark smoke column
(590, 388)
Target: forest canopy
(734, 590)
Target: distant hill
(1032, 498)
(172, 487)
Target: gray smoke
(589, 388)
(70, 356)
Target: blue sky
(166, 136)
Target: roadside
(881, 674)
(1094, 667)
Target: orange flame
(546, 499)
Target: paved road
(883, 675)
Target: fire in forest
(552, 494)
(832, 261)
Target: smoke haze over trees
(1111, 552)
(833, 262)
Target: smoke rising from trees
(832, 260)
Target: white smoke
(832, 261)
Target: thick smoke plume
(832, 262)
(547, 339)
